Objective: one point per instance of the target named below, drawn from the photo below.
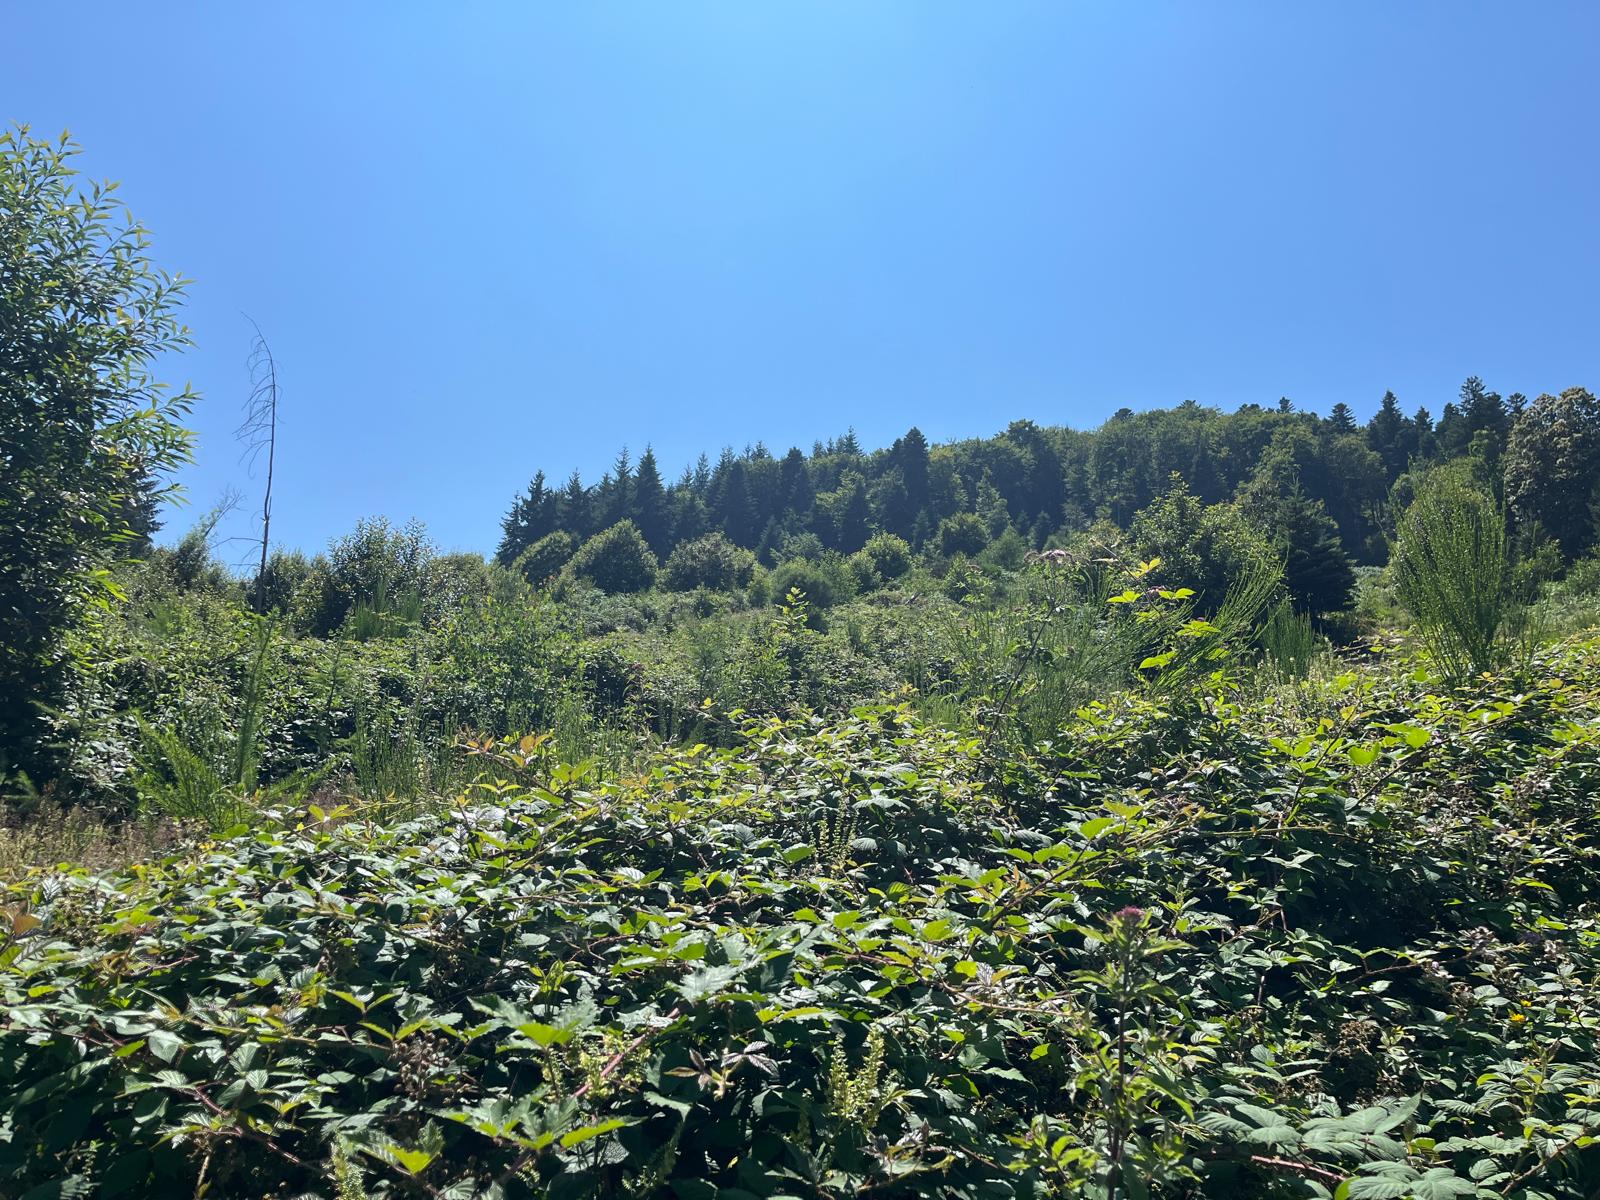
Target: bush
(709, 562)
(1205, 547)
(1452, 572)
(543, 560)
(964, 533)
(273, 590)
(889, 555)
(377, 568)
(824, 584)
(616, 560)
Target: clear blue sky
(485, 238)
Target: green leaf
(578, 1136)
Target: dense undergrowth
(1207, 945)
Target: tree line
(1325, 490)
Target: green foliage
(889, 556)
(89, 431)
(823, 584)
(543, 560)
(1552, 469)
(711, 562)
(1204, 547)
(963, 533)
(1288, 641)
(1452, 572)
(616, 560)
(1192, 949)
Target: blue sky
(486, 238)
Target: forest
(1197, 805)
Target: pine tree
(532, 517)
(616, 491)
(1341, 419)
(1387, 435)
(576, 508)
(856, 518)
(650, 504)
(911, 456)
(795, 496)
(732, 511)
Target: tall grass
(1452, 573)
(1288, 643)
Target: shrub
(824, 584)
(964, 533)
(543, 560)
(1205, 547)
(273, 590)
(710, 562)
(616, 560)
(377, 568)
(1452, 572)
(890, 555)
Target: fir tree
(650, 504)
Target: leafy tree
(88, 429)
(377, 567)
(1552, 469)
(822, 588)
(544, 559)
(964, 533)
(1201, 546)
(711, 562)
(889, 555)
(616, 560)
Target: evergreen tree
(1341, 419)
(650, 504)
(616, 491)
(532, 516)
(795, 496)
(732, 511)
(855, 518)
(1425, 443)
(1388, 434)
(576, 509)
(911, 456)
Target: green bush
(824, 584)
(711, 562)
(963, 533)
(616, 560)
(889, 555)
(542, 561)
(1452, 572)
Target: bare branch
(259, 432)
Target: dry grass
(51, 835)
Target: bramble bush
(1195, 948)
